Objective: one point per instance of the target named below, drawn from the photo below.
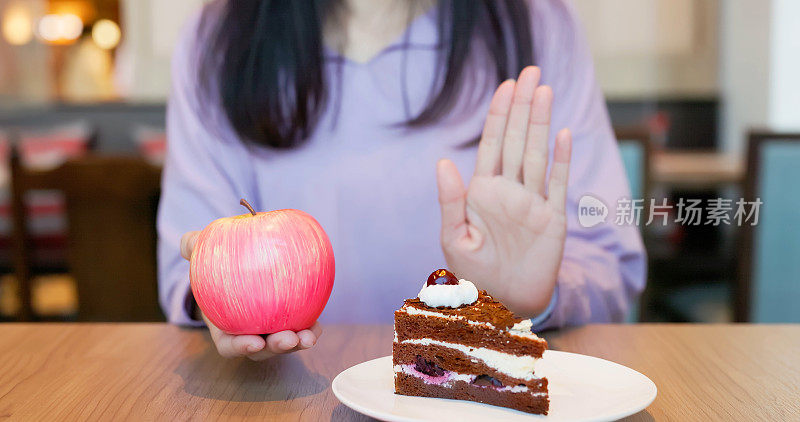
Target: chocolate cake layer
(455, 361)
(485, 309)
(412, 386)
(461, 331)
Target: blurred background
(704, 96)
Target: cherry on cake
(456, 342)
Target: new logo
(591, 211)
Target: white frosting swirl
(449, 295)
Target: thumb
(452, 199)
(188, 240)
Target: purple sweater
(372, 185)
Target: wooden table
(157, 371)
(699, 170)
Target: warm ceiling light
(17, 24)
(71, 27)
(50, 28)
(63, 28)
(106, 34)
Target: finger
(535, 157)
(231, 346)
(282, 342)
(316, 329)
(261, 355)
(559, 173)
(247, 344)
(452, 200)
(491, 145)
(188, 240)
(307, 339)
(517, 126)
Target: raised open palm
(505, 232)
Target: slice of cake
(456, 342)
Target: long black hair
(265, 61)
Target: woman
(343, 109)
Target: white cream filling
(515, 389)
(523, 326)
(521, 367)
(523, 329)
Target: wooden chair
(111, 206)
(768, 285)
(636, 151)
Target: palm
(503, 232)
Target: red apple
(260, 273)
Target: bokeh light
(17, 24)
(106, 34)
(62, 28)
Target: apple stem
(247, 205)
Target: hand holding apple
(261, 273)
(253, 347)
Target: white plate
(582, 388)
